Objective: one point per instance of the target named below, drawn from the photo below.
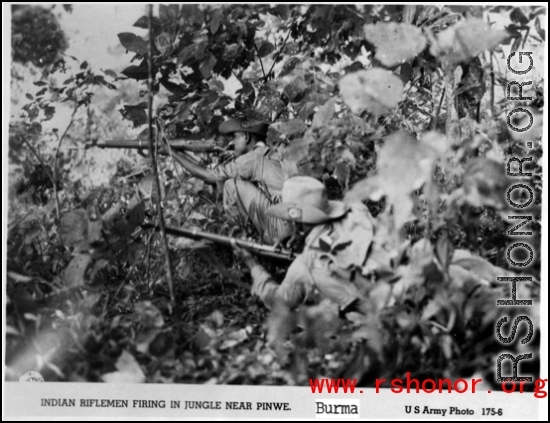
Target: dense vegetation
(401, 107)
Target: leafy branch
(154, 156)
(280, 51)
(76, 106)
(261, 62)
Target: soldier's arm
(292, 291)
(196, 170)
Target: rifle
(253, 247)
(178, 144)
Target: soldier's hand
(245, 255)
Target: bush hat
(231, 126)
(304, 200)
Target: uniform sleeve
(246, 165)
(226, 171)
(294, 289)
(242, 167)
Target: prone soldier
(337, 239)
(344, 262)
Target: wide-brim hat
(231, 126)
(304, 200)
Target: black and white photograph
(337, 209)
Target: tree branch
(438, 111)
(56, 156)
(279, 52)
(154, 157)
(261, 63)
(492, 70)
(33, 150)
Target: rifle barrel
(178, 144)
(254, 247)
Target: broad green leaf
(129, 371)
(163, 42)
(200, 49)
(10, 330)
(518, 16)
(271, 103)
(291, 48)
(135, 214)
(231, 52)
(147, 315)
(142, 22)
(186, 54)
(294, 126)
(234, 339)
(191, 13)
(289, 66)
(376, 90)
(540, 30)
(136, 72)
(163, 12)
(162, 343)
(266, 49)
(137, 115)
(49, 111)
(485, 183)
(259, 115)
(296, 90)
(282, 11)
(295, 159)
(274, 137)
(324, 114)
(216, 84)
(215, 20)
(444, 251)
(98, 266)
(207, 66)
(395, 42)
(173, 88)
(342, 172)
(132, 42)
(216, 318)
(404, 164)
(173, 11)
(74, 273)
(73, 227)
(465, 40)
(94, 234)
(481, 269)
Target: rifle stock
(259, 249)
(196, 146)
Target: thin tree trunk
(154, 160)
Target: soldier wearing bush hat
(337, 239)
(231, 126)
(252, 181)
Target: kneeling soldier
(252, 182)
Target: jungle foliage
(400, 107)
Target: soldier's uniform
(335, 249)
(342, 258)
(252, 183)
